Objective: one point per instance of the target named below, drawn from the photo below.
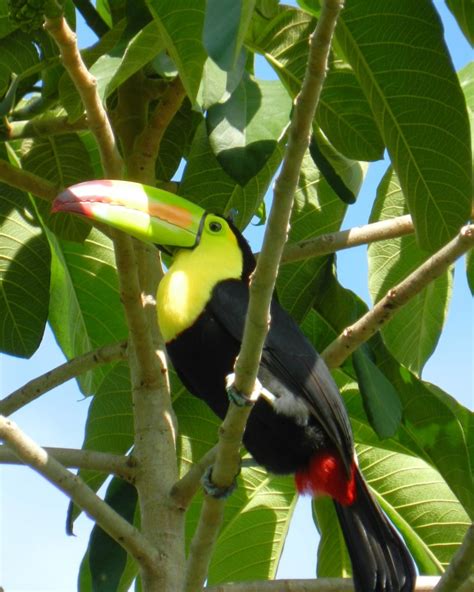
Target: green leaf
(85, 310)
(416, 500)
(343, 111)
(470, 270)
(24, 274)
(17, 54)
(206, 183)
(181, 25)
(412, 334)
(107, 559)
(316, 210)
(416, 99)
(218, 85)
(381, 401)
(244, 131)
(462, 12)
(64, 160)
(112, 69)
(225, 25)
(109, 424)
(7, 25)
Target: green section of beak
(148, 213)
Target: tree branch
(53, 378)
(86, 86)
(261, 290)
(353, 336)
(186, 488)
(26, 181)
(461, 568)
(346, 239)
(121, 466)
(41, 126)
(73, 486)
(423, 584)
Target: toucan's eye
(215, 226)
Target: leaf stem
(460, 570)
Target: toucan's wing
(291, 359)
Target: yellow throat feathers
(187, 286)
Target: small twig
(121, 466)
(461, 567)
(53, 378)
(261, 291)
(41, 126)
(353, 336)
(86, 86)
(423, 584)
(186, 488)
(346, 239)
(73, 486)
(26, 181)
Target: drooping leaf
(462, 12)
(418, 105)
(17, 54)
(217, 85)
(417, 501)
(413, 332)
(317, 210)
(205, 182)
(64, 160)
(24, 274)
(245, 130)
(181, 25)
(381, 401)
(225, 26)
(343, 111)
(108, 559)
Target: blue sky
(35, 553)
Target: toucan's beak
(150, 214)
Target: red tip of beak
(67, 201)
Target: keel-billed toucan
(201, 303)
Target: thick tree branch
(261, 290)
(423, 584)
(86, 86)
(141, 163)
(26, 181)
(121, 466)
(53, 378)
(41, 126)
(39, 460)
(461, 568)
(353, 336)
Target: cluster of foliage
(390, 86)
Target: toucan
(303, 428)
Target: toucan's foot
(242, 400)
(215, 491)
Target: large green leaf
(316, 210)
(417, 501)
(343, 111)
(85, 310)
(463, 13)
(181, 25)
(205, 182)
(64, 160)
(217, 85)
(225, 25)
(24, 274)
(412, 334)
(7, 25)
(407, 75)
(245, 130)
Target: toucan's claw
(214, 490)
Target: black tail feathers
(380, 560)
